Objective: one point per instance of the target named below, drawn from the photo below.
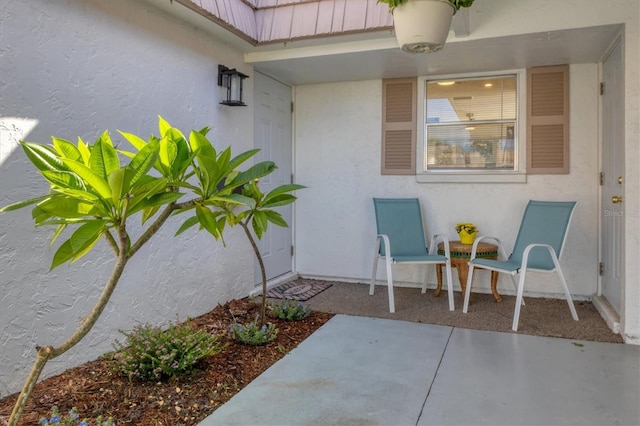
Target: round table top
(464, 250)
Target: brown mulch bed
(95, 389)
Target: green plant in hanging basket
(457, 3)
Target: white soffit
(381, 58)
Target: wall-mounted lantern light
(232, 80)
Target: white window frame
(518, 175)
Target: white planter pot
(422, 26)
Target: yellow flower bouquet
(467, 232)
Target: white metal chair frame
(383, 242)
(521, 271)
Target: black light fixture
(232, 80)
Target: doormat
(298, 290)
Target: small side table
(460, 255)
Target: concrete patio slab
(353, 370)
(490, 378)
(369, 371)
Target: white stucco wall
(74, 68)
(340, 164)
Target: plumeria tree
(94, 194)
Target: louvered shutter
(548, 120)
(399, 126)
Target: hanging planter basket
(422, 26)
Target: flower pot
(422, 26)
(466, 238)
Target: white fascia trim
(321, 50)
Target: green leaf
(157, 200)
(148, 213)
(233, 164)
(282, 189)
(146, 188)
(24, 203)
(85, 152)
(234, 199)
(168, 152)
(87, 234)
(43, 157)
(63, 207)
(104, 158)
(66, 149)
(63, 179)
(255, 172)
(182, 159)
(193, 220)
(137, 142)
(80, 243)
(275, 218)
(79, 194)
(279, 200)
(208, 221)
(56, 232)
(199, 142)
(260, 223)
(119, 182)
(90, 178)
(163, 126)
(63, 254)
(143, 162)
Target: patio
(80, 67)
(358, 370)
(540, 316)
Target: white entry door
(272, 134)
(612, 179)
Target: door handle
(616, 200)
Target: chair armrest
(433, 247)
(387, 245)
(501, 251)
(527, 250)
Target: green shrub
(253, 333)
(289, 310)
(149, 353)
(71, 419)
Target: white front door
(612, 179)
(272, 134)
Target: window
(477, 128)
(471, 129)
(470, 124)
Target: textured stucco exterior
(76, 68)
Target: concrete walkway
(368, 371)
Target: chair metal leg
(572, 308)
(467, 292)
(515, 287)
(450, 285)
(516, 313)
(373, 275)
(392, 305)
(426, 277)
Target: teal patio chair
(538, 247)
(401, 239)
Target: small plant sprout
(254, 333)
(289, 310)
